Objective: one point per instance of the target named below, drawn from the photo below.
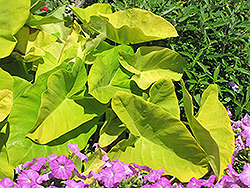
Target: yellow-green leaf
(13, 16)
(133, 26)
(6, 101)
(150, 64)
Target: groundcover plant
(63, 83)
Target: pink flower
(74, 184)
(75, 149)
(44, 8)
(105, 158)
(210, 181)
(62, 167)
(6, 183)
(36, 164)
(245, 175)
(154, 175)
(96, 146)
(229, 113)
(52, 156)
(129, 170)
(44, 177)
(246, 120)
(225, 181)
(28, 178)
(194, 183)
(163, 182)
(111, 176)
(141, 168)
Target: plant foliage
(62, 87)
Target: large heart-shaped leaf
(157, 139)
(219, 126)
(144, 26)
(57, 107)
(97, 8)
(13, 16)
(106, 77)
(211, 134)
(150, 64)
(27, 149)
(23, 116)
(6, 101)
(163, 94)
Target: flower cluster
(47, 172)
(242, 129)
(59, 171)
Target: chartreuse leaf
(57, 30)
(85, 14)
(202, 135)
(35, 20)
(162, 93)
(144, 26)
(6, 80)
(32, 43)
(94, 162)
(74, 46)
(27, 149)
(24, 115)
(211, 128)
(6, 101)
(150, 64)
(95, 48)
(16, 66)
(106, 77)
(213, 116)
(5, 169)
(13, 16)
(6, 95)
(157, 139)
(56, 16)
(4, 133)
(57, 107)
(57, 52)
(92, 105)
(48, 62)
(19, 87)
(111, 129)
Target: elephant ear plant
(60, 85)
